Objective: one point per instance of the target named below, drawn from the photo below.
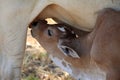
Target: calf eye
(69, 51)
(50, 32)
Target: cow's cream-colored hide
(79, 13)
(16, 15)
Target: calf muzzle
(35, 23)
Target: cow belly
(78, 13)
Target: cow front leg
(12, 47)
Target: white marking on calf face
(61, 29)
(76, 36)
(59, 62)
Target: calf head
(61, 42)
(56, 35)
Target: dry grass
(37, 65)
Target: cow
(16, 15)
(74, 51)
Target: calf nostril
(34, 24)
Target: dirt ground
(37, 65)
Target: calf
(83, 52)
